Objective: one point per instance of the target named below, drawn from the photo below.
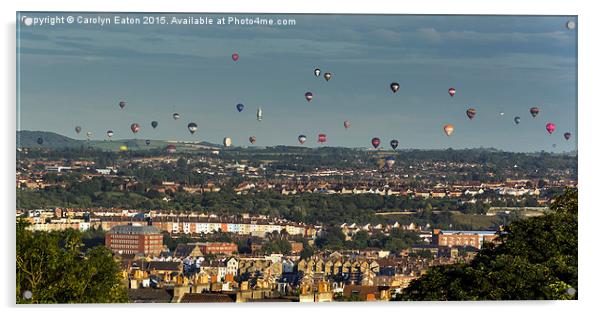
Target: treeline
(397, 240)
(309, 208)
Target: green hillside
(29, 139)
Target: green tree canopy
(55, 269)
(535, 259)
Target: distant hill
(29, 139)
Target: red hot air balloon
(451, 91)
(309, 96)
(375, 142)
(321, 138)
(235, 56)
(534, 111)
(550, 127)
(135, 128)
(346, 124)
(567, 135)
(171, 148)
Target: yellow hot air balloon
(448, 129)
(123, 148)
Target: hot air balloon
(534, 111)
(135, 128)
(567, 135)
(240, 107)
(394, 143)
(516, 120)
(259, 114)
(317, 72)
(147, 142)
(110, 133)
(346, 124)
(375, 142)
(227, 142)
(550, 127)
(176, 116)
(394, 87)
(40, 141)
(192, 127)
(448, 129)
(321, 138)
(171, 148)
(235, 56)
(327, 76)
(121, 104)
(154, 124)
(451, 91)
(252, 139)
(390, 161)
(302, 139)
(88, 134)
(78, 129)
(502, 113)
(471, 113)
(309, 96)
(123, 148)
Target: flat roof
(134, 229)
(469, 232)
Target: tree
(535, 259)
(55, 269)
(360, 239)
(307, 251)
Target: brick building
(134, 239)
(218, 248)
(462, 238)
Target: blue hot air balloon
(240, 107)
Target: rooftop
(469, 232)
(134, 229)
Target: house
(367, 293)
(187, 250)
(162, 267)
(232, 266)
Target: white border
(589, 114)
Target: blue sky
(76, 75)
